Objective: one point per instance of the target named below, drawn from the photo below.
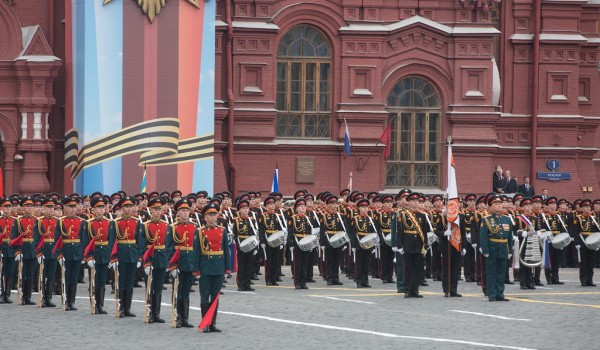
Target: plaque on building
(305, 170)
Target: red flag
(174, 260)
(386, 139)
(17, 242)
(210, 314)
(149, 254)
(40, 247)
(90, 248)
(58, 245)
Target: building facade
(497, 77)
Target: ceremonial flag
(40, 248)
(143, 189)
(89, 249)
(210, 314)
(453, 202)
(346, 140)
(58, 245)
(114, 252)
(386, 139)
(275, 183)
(17, 242)
(525, 220)
(148, 255)
(174, 260)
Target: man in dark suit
(499, 180)
(526, 188)
(511, 184)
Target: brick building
(496, 76)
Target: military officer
(8, 255)
(123, 233)
(214, 262)
(184, 242)
(496, 244)
(98, 227)
(70, 229)
(25, 227)
(45, 232)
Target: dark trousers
(126, 275)
(482, 271)
(495, 270)
(101, 272)
(413, 272)
(586, 269)
(453, 269)
(399, 272)
(72, 268)
(332, 262)
(245, 271)
(210, 286)
(387, 262)
(158, 279)
(552, 272)
(29, 269)
(185, 285)
(272, 264)
(300, 265)
(8, 267)
(469, 263)
(49, 271)
(363, 261)
(436, 261)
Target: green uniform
(496, 243)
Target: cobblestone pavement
(551, 317)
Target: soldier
(214, 262)
(98, 231)
(411, 244)
(383, 221)
(153, 234)
(269, 223)
(360, 227)
(70, 229)
(242, 229)
(45, 232)
(7, 254)
(551, 221)
(298, 228)
(123, 233)
(332, 223)
(468, 225)
(496, 243)
(184, 242)
(582, 226)
(25, 227)
(401, 205)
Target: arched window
(414, 161)
(304, 84)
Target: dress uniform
(153, 233)
(8, 255)
(269, 223)
(583, 226)
(360, 227)
(525, 273)
(122, 232)
(214, 263)
(411, 227)
(550, 221)
(400, 207)
(331, 223)
(184, 241)
(25, 227)
(383, 221)
(243, 229)
(298, 228)
(70, 229)
(468, 225)
(496, 244)
(98, 231)
(46, 228)
(450, 255)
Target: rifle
(1, 279)
(117, 300)
(63, 296)
(174, 302)
(19, 280)
(148, 296)
(41, 289)
(92, 274)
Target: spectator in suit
(511, 184)
(499, 180)
(544, 193)
(526, 188)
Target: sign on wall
(553, 165)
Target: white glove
(91, 263)
(18, 257)
(114, 265)
(463, 252)
(147, 270)
(486, 255)
(82, 262)
(255, 252)
(480, 250)
(509, 256)
(61, 261)
(345, 247)
(474, 245)
(374, 251)
(576, 247)
(448, 233)
(40, 259)
(524, 234)
(395, 249)
(139, 263)
(174, 273)
(281, 247)
(401, 251)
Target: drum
(592, 242)
(276, 239)
(431, 238)
(315, 231)
(388, 239)
(308, 243)
(369, 241)
(468, 235)
(543, 234)
(561, 240)
(339, 239)
(249, 244)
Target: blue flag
(275, 183)
(346, 140)
(143, 187)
